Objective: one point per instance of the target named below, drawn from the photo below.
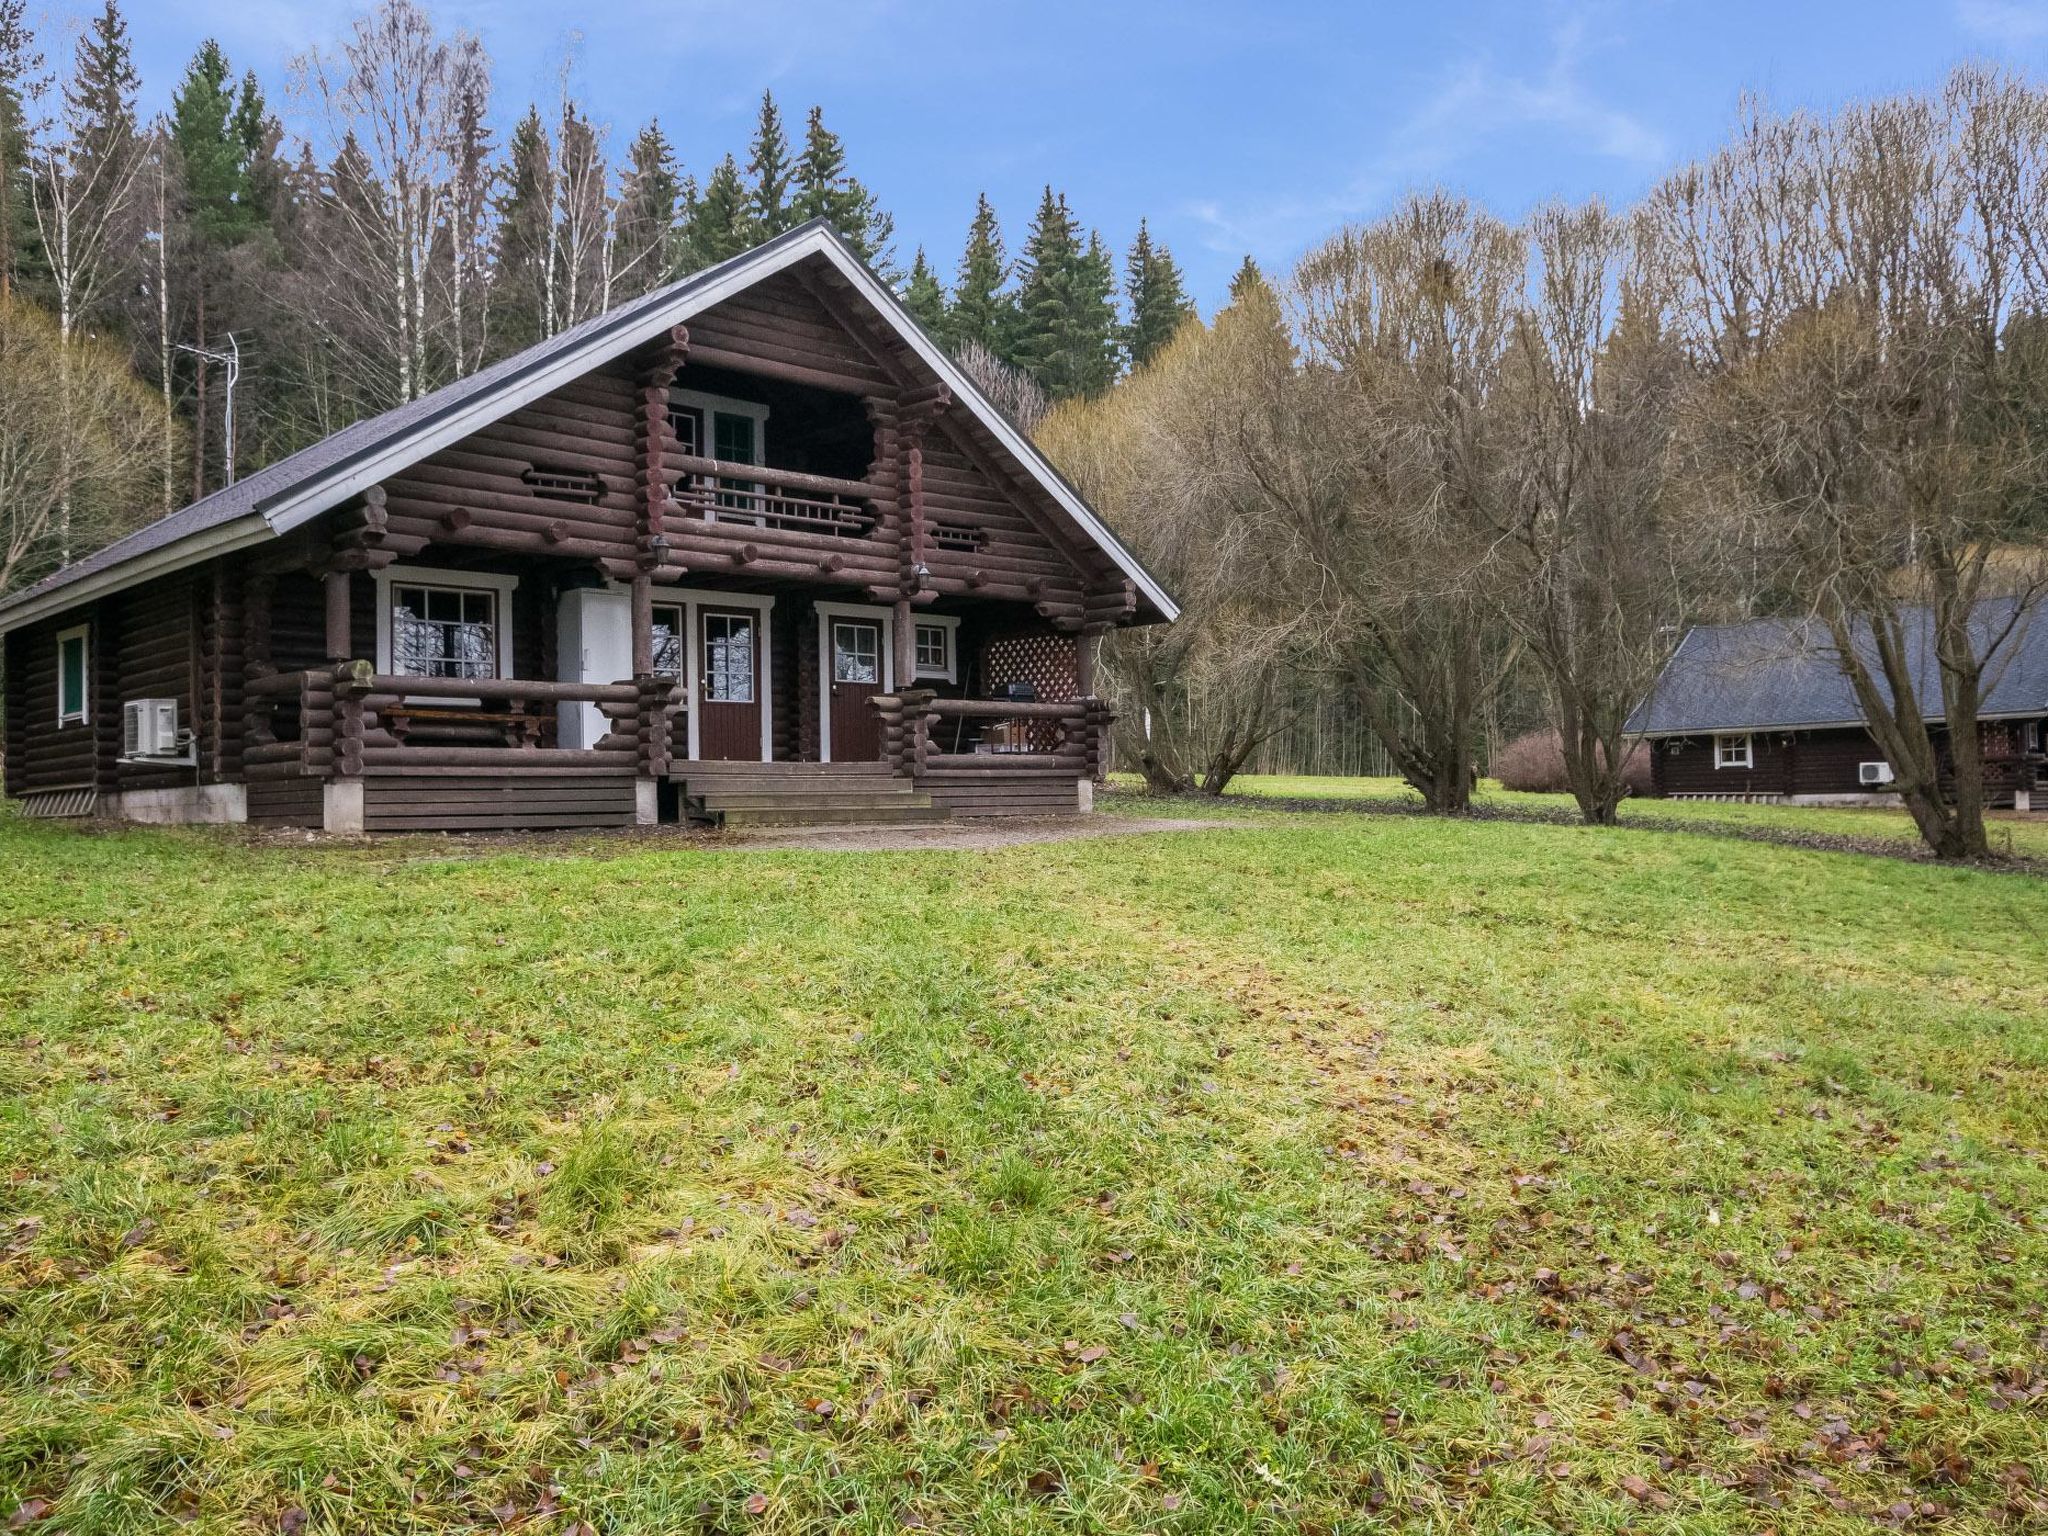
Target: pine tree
(772, 175)
(721, 222)
(1159, 303)
(1066, 333)
(213, 149)
(824, 190)
(923, 296)
(645, 254)
(210, 131)
(982, 312)
(20, 80)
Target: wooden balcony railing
(340, 720)
(718, 490)
(922, 733)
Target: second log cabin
(749, 547)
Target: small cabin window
(935, 657)
(73, 668)
(1733, 751)
(444, 631)
(958, 536)
(558, 484)
(668, 640)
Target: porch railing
(916, 737)
(717, 490)
(340, 720)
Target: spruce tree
(924, 297)
(520, 288)
(982, 311)
(20, 78)
(824, 190)
(645, 256)
(1159, 303)
(771, 174)
(1066, 333)
(721, 223)
(100, 96)
(104, 156)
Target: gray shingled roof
(1785, 673)
(334, 457)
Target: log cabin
(1763, 711)
(749, 548)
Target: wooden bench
(521, 726)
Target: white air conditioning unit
(1874, 773)
(150, 734)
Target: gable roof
(284, 495)
(1773, 674)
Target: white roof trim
(309, 501)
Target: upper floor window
(1733, 751)
(73, 668)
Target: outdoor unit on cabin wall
(150, 734)
(1874, 773)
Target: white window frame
(948, 624)
(827, 612)
(1724, 740)
(465, 581)
(691, 600)
(82, 633)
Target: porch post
(336, 585)
(1084, 663)
(643, 625)
(903, 642)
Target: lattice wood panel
(1040, 658)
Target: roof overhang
(635, 326)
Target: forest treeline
(376, 241)
(1450, 460)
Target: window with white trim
(1733, 751)
(935, 650)
(441, 631)
(74, 666)
(728, 658)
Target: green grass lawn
(1319, 1173)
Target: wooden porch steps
(801, 794)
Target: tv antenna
(231, 360)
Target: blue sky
(1234, 128)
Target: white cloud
(2014, 24)
(1474, 105)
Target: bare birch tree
(395, 95)
(1863, 299)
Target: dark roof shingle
(1786, 673)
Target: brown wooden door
(728, 685)
(854, 655)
